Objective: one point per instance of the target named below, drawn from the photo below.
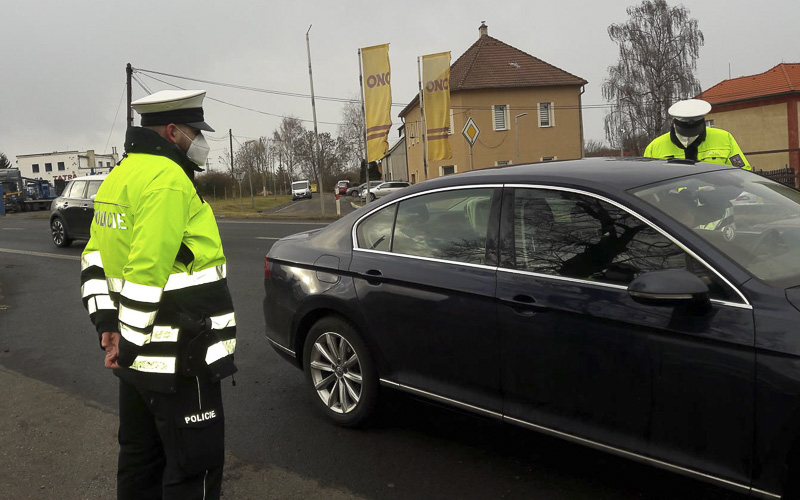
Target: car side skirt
(741, 488)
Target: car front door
(83, 219)
(582, 358)
(425, 280)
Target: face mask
(198, 149)
(687, 132)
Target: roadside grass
(243, 208)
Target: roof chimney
(483, 29)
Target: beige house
(762, 113)
(527, 111)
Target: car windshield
(299, 185)
(753, 220)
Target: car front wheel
(340, 372)
(372, 197)
(59, 233)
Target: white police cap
(173, 106)
(689, 110)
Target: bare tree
(351, 132)
(289, 136)
(658, 50)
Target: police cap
(173, 106)
(689, 110)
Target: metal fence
(784, 175)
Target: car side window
(375, 232)
(448, 225)
(577, 236)
(93, 187)
(76, 191)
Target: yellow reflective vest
(718, 147)
(154, 270)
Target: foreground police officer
(154, 283)
(689, 138)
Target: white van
(301, 189)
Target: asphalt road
(413, 450)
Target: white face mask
(198, 149)
(686, 140)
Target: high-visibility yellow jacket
(154, 269)
(718, 146)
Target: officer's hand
(110, 342)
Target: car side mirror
(670, 287)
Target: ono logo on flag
(379, 80)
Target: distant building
(65, 165)
(493, 83)
(395, 165)
(761, 112)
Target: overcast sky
(63, 63)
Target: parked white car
(384, 188)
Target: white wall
(73, 164)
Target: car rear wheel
(340, 372)
(59, 233)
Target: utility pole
(315, 152)
(230, 136)
(129, 74)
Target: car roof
(90, 177)
(610, 173)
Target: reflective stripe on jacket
(155, 259)
(718, 147)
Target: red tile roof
(490, 64)
(781, 79)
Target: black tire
(59, 233)
(372, 197)
(335, 374)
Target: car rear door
(72, 206)
(581, 358)
(425, 280)
(83, 219)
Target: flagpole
(364, 116)
(422, 121)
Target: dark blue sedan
(641, 307)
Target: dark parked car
(71, 213)
(642, 307)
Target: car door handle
(526, 305)
(373, 276)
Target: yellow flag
(436, 99)
(376, 76)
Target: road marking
(284, 208)
(41, 254)
(12, 228)
(223, 221)
(266, 238)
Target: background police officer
(154, 283)
(689, 138)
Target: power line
(237, 105)
(119, 105)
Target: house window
(48, 167)
(501, 163)
(710, 123)
(61, 166)
(549, 158)
(450, 130)
(500, 116)
(447, 170)
(35, 168)
(546, 114)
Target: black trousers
(171, 445)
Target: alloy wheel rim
(58, 232)
(336, 373)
